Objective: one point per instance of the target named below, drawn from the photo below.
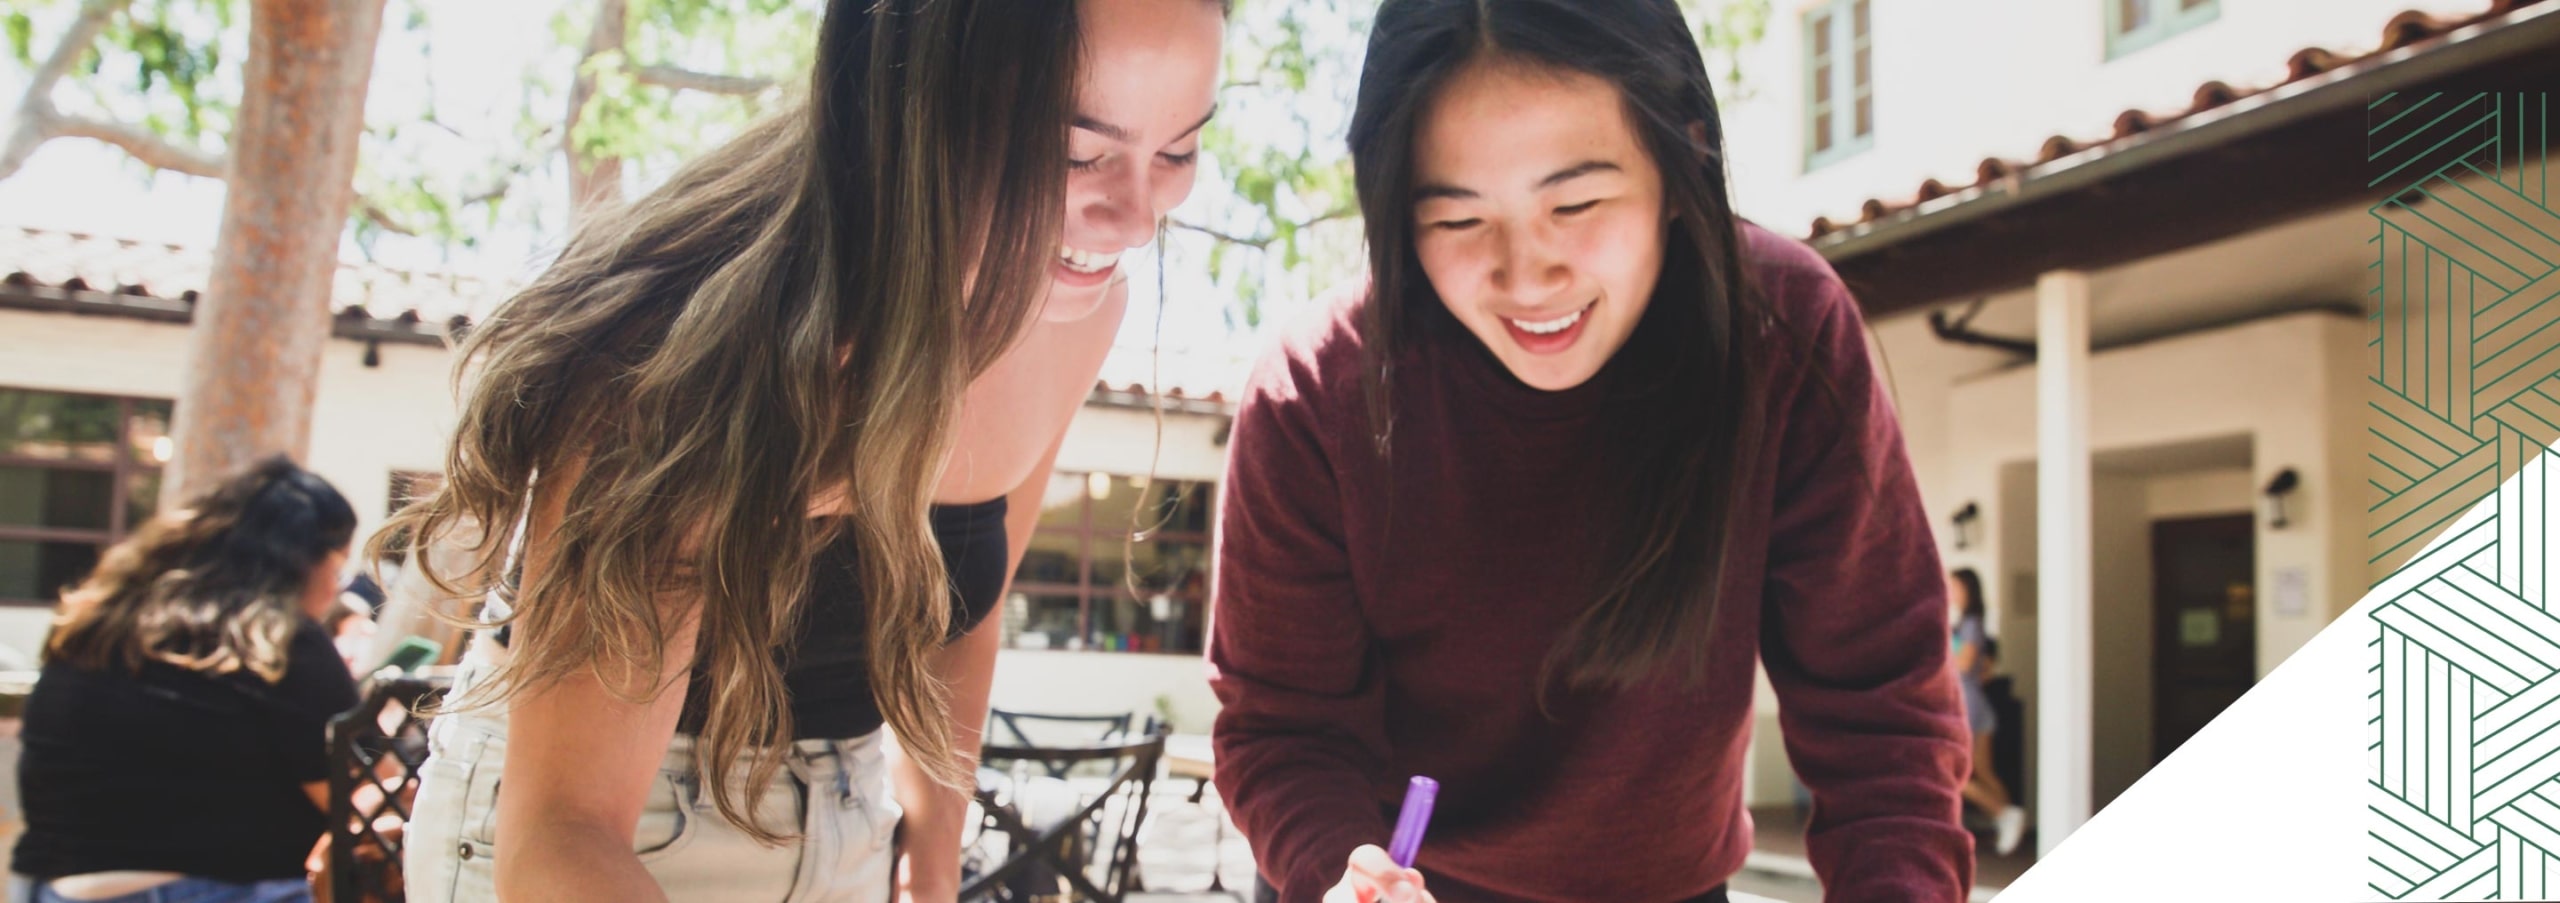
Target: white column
(2063, 589)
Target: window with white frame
(1840, 106)
(2136, 24)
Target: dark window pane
(40, 571)
(47, 497)
(1046, 622)
(1177, 506)
(1858, 20)
(1822, 132)
(1111, 564)
(2131, 15)
(1053, 558)
(1158, 623)
(63, 427)
(1861, 72)
(1171, 566)
(146, 430)
(2191, 4)
(1821, 28)
(1821, 86)
(1866, 116)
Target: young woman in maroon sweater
(1522, 514)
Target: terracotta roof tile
(79, 262)
(2408, 28)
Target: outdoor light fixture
(2285, 482)
(372, 353)
(1965, 518)
(1097, 486)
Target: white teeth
(1087, 261)
(1551, 327)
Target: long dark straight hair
(1685, 388)
(798, 311)
(1972, 583)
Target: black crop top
(829, 676)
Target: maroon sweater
(1350, 655)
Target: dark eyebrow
(1124, 136)
(1196, 126)
(1578, 170)
(1437, 192)
(1102, 128)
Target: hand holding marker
(1380, 876)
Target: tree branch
(1331, 215)
(682, 79)
(373, 212)
(594, 182)
(514, 172)
(1261, 243)
(35, 120)
(154, 151)
(1255, 243)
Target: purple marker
(1411, 822)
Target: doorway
(2205, 627)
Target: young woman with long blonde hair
(767, 444)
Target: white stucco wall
(365, 422)
(2182, 390)
(2120, 663)
(1960, 80)
(1121, 440)
(2200, 493)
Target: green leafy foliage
(1275, 217)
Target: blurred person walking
(1970, 646)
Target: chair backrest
(1093, 849)
(380, 745)
(1036, 730)
(1009, 727)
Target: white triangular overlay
(2277, 798)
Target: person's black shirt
(173, 770)
(827, 667)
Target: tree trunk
(263, 323)
(594, 183)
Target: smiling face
(1538, 216)
(1148, 85)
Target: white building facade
(2130, 238)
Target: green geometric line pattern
(2464, 715)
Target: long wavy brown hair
(794, 314)
(215, 586)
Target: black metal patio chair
(1042, 837)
